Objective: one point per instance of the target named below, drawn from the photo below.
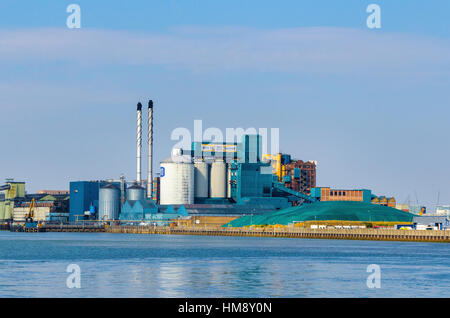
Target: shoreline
(339, 234)
(435, 236)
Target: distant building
(14, 193)
(443, 210)
(47, 208)
(53, 192)
(327, 194)
(403, 207)
(431, 222)
(386, 201)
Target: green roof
(327, 211)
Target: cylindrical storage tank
(201, 179)
(135, 193)
(177, 183)
(109, 203)
(218, 180)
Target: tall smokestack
(139, 141)
(150, 150)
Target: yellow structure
(276, 164)
(31, 210)
(14, 190)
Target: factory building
(431, 222)
(84, 199)
(147, 211)
(297, 175)
(15, 204)
(138, 210)
(220, 178)
(14, 193)
(443, 210)
(137, 206)
(250, 180)
(327, 194)
(51, 208)
(211, 179)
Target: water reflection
(183, 266)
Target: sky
(372, 106)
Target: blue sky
(371, 106)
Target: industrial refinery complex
(221, 184)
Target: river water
(130, 265)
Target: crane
(422, 211)
(30, 215)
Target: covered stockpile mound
(326, 211)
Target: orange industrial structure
(386, 201)
(341, 195)
(327, 194)
(362, 195)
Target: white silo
(201, 179)
(218, 180)
(177, 182)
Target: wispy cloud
(311, 50)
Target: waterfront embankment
(286, 232)
(344, 234)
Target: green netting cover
(326, 211)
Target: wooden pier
(343, 234)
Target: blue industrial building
(84, 197)
(138, 210)
(251, 180)
(147, 211)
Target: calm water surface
(127, 265)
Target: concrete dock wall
(345, 234)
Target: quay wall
(345, 234)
